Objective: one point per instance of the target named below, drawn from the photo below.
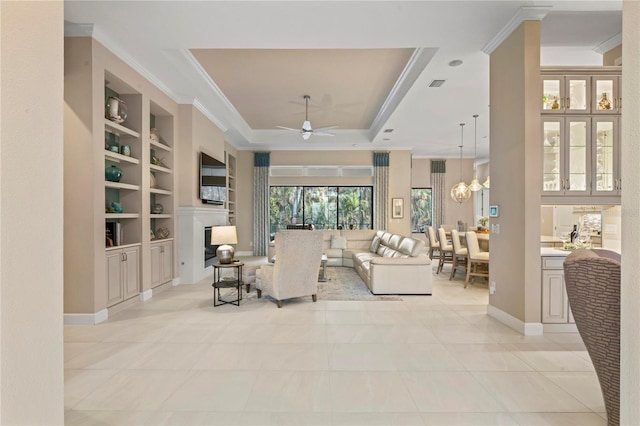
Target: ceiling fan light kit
(306, 131)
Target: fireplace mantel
(191, 224)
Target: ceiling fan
(306, 131)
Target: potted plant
(482, 223)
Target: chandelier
(475, 185)
(460, 192)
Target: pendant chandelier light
(475, 185)
(460, 191)
(486, 183)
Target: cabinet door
(553, 94)
(605, 96)
(554, 297)
(156, 265)
(605, 155)
(131, 272)
(577, 91)
(576, 162)
(552, 155)
(114, 277)
(167, 262)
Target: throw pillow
(338, 242)
(374, 245)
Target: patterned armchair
(295, 271)
(592, 278)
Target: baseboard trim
(86, 319)
(525, 328)
(175, 281)
(146, 295)
(560, 328)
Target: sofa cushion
(333, 252)
(412, 246)
(338, 242)
(375, 243)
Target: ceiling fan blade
(321, 129)
(288, 128)
(316, 133)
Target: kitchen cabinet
(555, 302)
(565, 94)
(606, 96)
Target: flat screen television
(212, 180)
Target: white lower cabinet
(161, 262)
(123, 274)
(555, 303)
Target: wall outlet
(492, 287)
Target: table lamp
(222, 236)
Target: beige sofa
(400, 265)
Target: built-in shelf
(117, 158)
(122, 215)
(162, 240)
(160, 168)
(117, 129)
(121, 246)
(160, 191)
(160, 146)
(161, 216)
(120, 185)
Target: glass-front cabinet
(565, 94)
(565, 156)
(581, 156)
(606, 95)
(605, 137)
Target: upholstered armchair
(592, 279)
(295, 270)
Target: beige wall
(196, 133)
(515, 88)
(630, 286)
(31, 213)
(609, 57)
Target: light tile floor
(425, 360)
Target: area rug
(345, 284)
(342, 284)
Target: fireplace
(210, 256)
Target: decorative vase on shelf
(555, 104)
(113, 174)
(116, 110)
(157, 209)
(604, 103)
(117, 207)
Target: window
(421, 209)
(326, 207)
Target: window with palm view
(326, 207)
(421, 209)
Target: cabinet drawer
(552, 262)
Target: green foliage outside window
(421, 209)
(326, 207)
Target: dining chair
(434, 245)
(446, 250)
(460, 254)
(478, 261)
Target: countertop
(553, 252)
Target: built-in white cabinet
(161, 262)
(123, 273)
(555, 303)
(606, 96)
(580, 136)
(564, 94)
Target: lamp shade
(223, 235)
(475, 185)
(487, 183)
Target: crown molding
(72, 29)
(198, 105)
(607, 45)
(525, 13)
(415, 66)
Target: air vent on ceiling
(388, 130)
(436, 83)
